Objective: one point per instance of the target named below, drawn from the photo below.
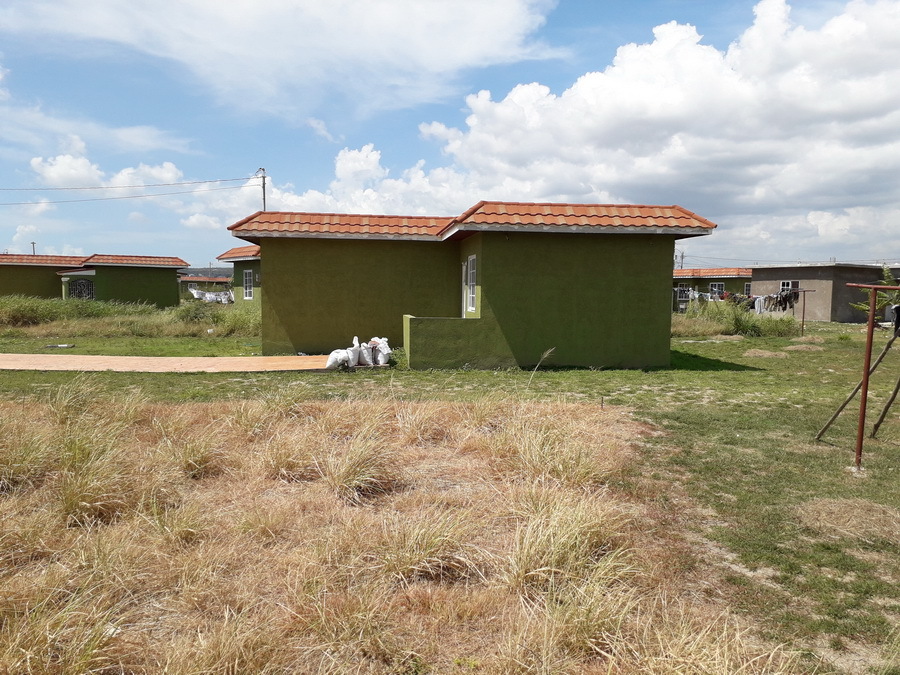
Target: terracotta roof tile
(283, 223)
(501, 214)
(49, 260)
(134, 260)
(251, 251)
(483, 216)
(699, 272)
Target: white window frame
(790, 285)
(716, 286)
(471, 278)
(747, 286)
(248, 284)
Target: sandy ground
(161, 364)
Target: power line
(122, 187)
(104, 199)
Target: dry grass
(852, 518)
(295, 535)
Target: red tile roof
(699, 272)
(504, 216)
(290, 224)
(49, 260)
(134, 260)
(240, 252)
(550, 216)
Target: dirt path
(161, 364)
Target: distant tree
(882, 298)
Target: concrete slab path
(161, 364)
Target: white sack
(365, 355)
(337, 358)
(353, 352)
(382, 351)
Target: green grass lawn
(20, 342)
(735, 459)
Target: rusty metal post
(803, 316)
(864, 394)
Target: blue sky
(778, 120)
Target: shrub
(195, 311)
(727, 318)
(240, 319)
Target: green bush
(195, 311)
(244, 318)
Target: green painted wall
(238, 280)
(158, 286)
(598, 300)
(322, 292)
(34, 280)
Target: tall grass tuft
(360, 469)
(540, 450)
(69, 403)
(21, 310)
(25, 457)
(65, 631)
(432, 545)
(728, 318)
(560, 538)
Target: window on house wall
(248, 284)
(192, 287)
(470, 284)
(747, 288)
(82, 289)
(683, 291)
(717, 287)
(790, 285)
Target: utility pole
(262, 172)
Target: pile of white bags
(375, 352)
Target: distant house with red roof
(497, 286)
(712, 280)
(247, 275)
(122, 278)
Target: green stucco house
(498, 286)
(33, 275)
(246, 279)
(124, 278)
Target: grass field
(563, 521)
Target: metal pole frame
(864, 393)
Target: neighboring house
(497, 286)
(247, 276)
(33, 275)
(831, 298)
(718, 280)
(124, 278)
(714, 279)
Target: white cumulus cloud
(282, 55)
